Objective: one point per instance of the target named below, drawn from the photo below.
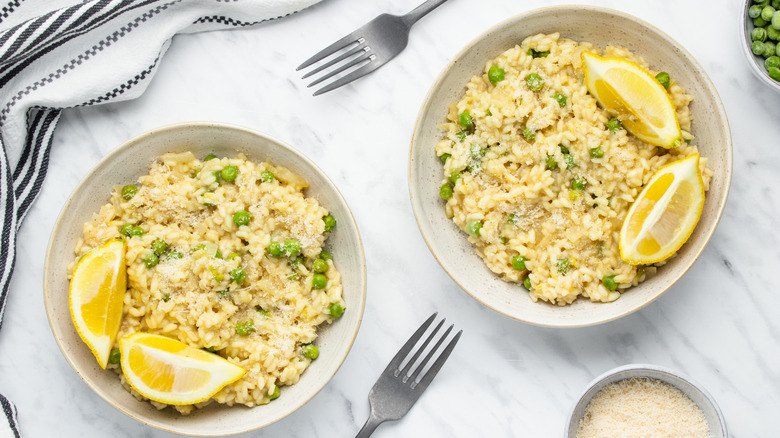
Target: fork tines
(420, 376)
(351, 59)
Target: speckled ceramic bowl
(600, 27)
(756, 63)
(127, 163)
(693, 390)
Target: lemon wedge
(665, 213)
(168, 371)
(638, 100)
(97, 289)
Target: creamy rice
(192, 298)
(526, 209)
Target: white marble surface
(719, 325)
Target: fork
(397, 389)
(367, 48)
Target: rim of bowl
(756, 64)
(650, 371)
(515, 19)
(132, 142)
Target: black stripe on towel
(7, 236)
(10, 413)
(43, 142)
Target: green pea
(465, 120)
(275, 249)
(241, 217)
(512, 219)
(159, 247)
(229, 173)
(527, 282)
(614, 124)
(325, 255)
(578, 184)
(291, 247)
(129, 191)
(319, 281)
(609, 282)
(335, 310)
(664, 78)
(166, 298)
(534, 82)
(320, 266)
(137, 231)
(495, 74)
(767, 13)
(776, 4)
(209, 157)
(238, 275)
(758, 48)
(563, 265)
(759, 22)
(473, 227)
(551, 164)
(266, 176)
(444, 157)
(772, 33)
(569, 159)
(754, 11)
(330, 222)
(769, 49)
(224, 294)
(560, 98)
(151, 260)
(564, 149)
(310, 351)
(114, 356)
(772, 61)
(126, 230)
(445, 191)
(217, 176)
(454, 177)
(245, 328)
(774, 73)
(758, 34)
(262, 311)
(275, 393)
(233, 255)
(529, 134)
(461, 135)
(518, 262)
(775, 19)
(597, 152)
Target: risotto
(225, 255)
(541, 180)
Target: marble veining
(718, 325)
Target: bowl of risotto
(520, 179)
(234, 244)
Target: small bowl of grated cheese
(645, 400)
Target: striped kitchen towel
(57, 54)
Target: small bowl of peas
(761, 35)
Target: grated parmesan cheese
(642, 407)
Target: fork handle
(420, 11)
(371, 424)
